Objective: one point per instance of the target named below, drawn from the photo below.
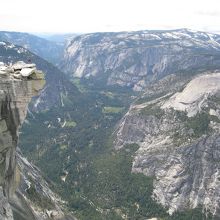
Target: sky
(83, 16)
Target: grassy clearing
(71, 124)
(112, 110)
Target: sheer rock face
(15, 95)
(134, 59)
(180, 150)
(24, 194)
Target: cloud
(107, 15)
(209, 13)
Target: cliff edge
(19, 198)
(18, 84)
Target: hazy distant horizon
(85, 16)
(48, 34)
(66, 33)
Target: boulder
(25, 72)
(17, 76)
(19, 65)
(9, 69)
(3, 67)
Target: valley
(121, 130)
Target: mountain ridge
(48, 50)
(136, 59)
(80, 136)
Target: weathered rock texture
(15, 95)
(134, 59)
(196, 92)
(179, 144)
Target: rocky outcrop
(195, 94)
(134, 59)
(18, 84)
(56, 86)
(15, 94)
(21, 70)
(179, 144)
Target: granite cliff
(175, 122)
(178, 138)
(19, 195)
(136, 59)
